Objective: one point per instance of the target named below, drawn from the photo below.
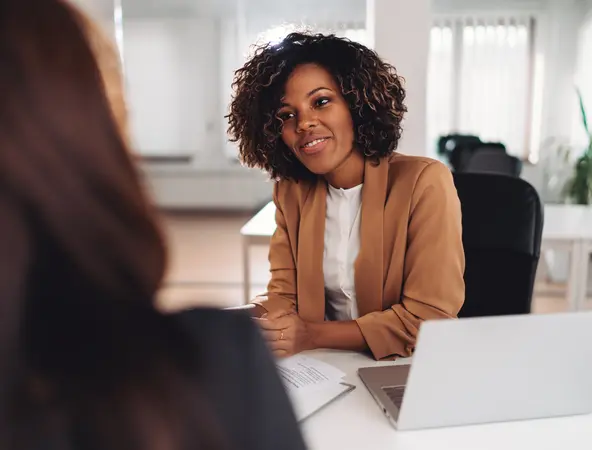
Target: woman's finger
(281, 353)
(271, 335)
(280, 345)
(277, 335)
(279, 324)
(278, 313)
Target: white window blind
(480, 80)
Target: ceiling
(288, 9)
(350, 9)
(151, 8)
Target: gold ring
(282, 335)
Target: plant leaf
(583, 111)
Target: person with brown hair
(86, 360)
(368, 241)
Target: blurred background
(501, 76)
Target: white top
(342, 244)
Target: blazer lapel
(369, 266)
(311, 244)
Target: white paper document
(304, 372)
(310, 383)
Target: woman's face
(317, 124)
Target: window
(480, 80)
(584, 83)
(354, 31)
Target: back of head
(63, 159)
(81, 346)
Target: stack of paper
(311, 384)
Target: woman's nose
(306, 122)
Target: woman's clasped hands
(286, 333)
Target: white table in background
(569, 228)
(354, 422)
(256, 231)
(566, 228)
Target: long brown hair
(84, 355)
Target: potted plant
(579, 186)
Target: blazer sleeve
(281, 289)
(433, 282)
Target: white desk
(355, 422)
(569, 228)
(256, 231)
(566, 227)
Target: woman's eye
(322, 101)
(283, 116)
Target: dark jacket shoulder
(240, 379)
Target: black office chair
(502, 221)
(492, 158)
(458, 148)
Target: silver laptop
(493, 369)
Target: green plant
(579, 187)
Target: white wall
(179, 73)
(230, 60)
(173, 80)
(588, 7)
(262, 14)
(561, 41)
(400, 32)
(501, 6)
(233, 188)
(100, 10)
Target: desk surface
(262, 223)
(355, 422)
(562, 222)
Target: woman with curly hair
(368, 241)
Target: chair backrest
(502, 219)
(458, 148)
(493, 159)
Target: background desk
(569, 228)
(256, 231)
(566, 228)
(355, 422)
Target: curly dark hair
(370, 86)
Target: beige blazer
(411, 261)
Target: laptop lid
(492, 369)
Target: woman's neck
(349, 173)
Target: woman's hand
(258, 311)
(286, 333)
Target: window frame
(456, 22)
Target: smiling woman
(317, 125)
(368, 241)
(358, 79)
